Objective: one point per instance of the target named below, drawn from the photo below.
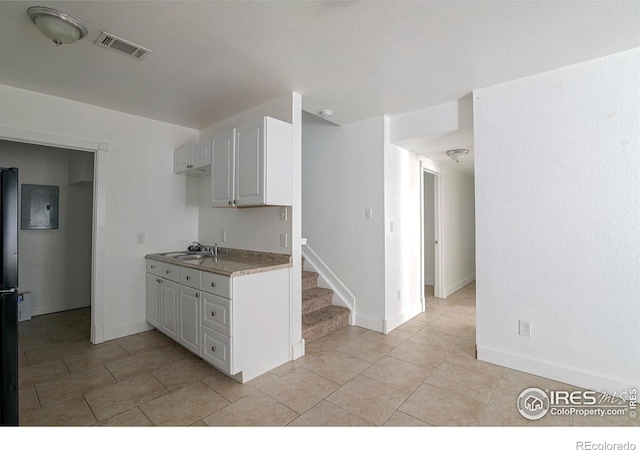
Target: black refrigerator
(9, 296)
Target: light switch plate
(283, 240)
(140, 238)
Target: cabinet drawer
(161, 269)
(216, 284)
(190, 277)
(216, 313)
(216, 350)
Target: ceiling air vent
(120, 45)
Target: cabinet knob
(213, 284)
(230, 203)
(168, 271)
(213, 349)
(153, 267)
(188, 277)
(160, 280)
(234, 203)
(213, 313)
(197, 295)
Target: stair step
(324, 321)
(316, 298)
(309, 280)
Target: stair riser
(326, 328)
(309, 283)
(316, 303)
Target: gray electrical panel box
(39, 207)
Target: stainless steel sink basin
(185, 256)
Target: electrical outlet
(368, 213)
(283, 214)
(224, 236)
(140, 238)
(524, 327)
(399, 295)
(392, 227)
(283, 240)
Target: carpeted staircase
(319, 316)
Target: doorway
(431, 281)
(55, 257)
(98, 244)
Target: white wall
(246, 228)
(53, 264)
(557, 201)
(259, 229)
(458, 230)
(429, 230)
(402, 245)
(342, 175)
(78, 260)
(143, 193)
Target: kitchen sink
(185, 256)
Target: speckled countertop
(231, 262)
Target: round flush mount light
(326, 114)
(457, 154)
(61, 28)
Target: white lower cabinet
(217, 350)
(169, 308)
(189, 313)
(240, 325)
(162, 298)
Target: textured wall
(142, 192)
(558, 223)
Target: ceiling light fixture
(61, 28)
(457, 154)
(326, 114)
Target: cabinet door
(182, 159)
(222, 169)
(169, 308)
(153, 300)
(249, 174)
(201, 154)
(189, 308)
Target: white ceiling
(212, 60)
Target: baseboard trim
(565, 374)
(448, 290)
(368, 323)
(297, 349)
(115, 333)
(414, 310)
(38, 310)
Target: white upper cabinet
(193, 159)
(222, 169)
(252, 165)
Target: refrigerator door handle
(8, 291)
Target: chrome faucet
(198, 247)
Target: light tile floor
(423, 373)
